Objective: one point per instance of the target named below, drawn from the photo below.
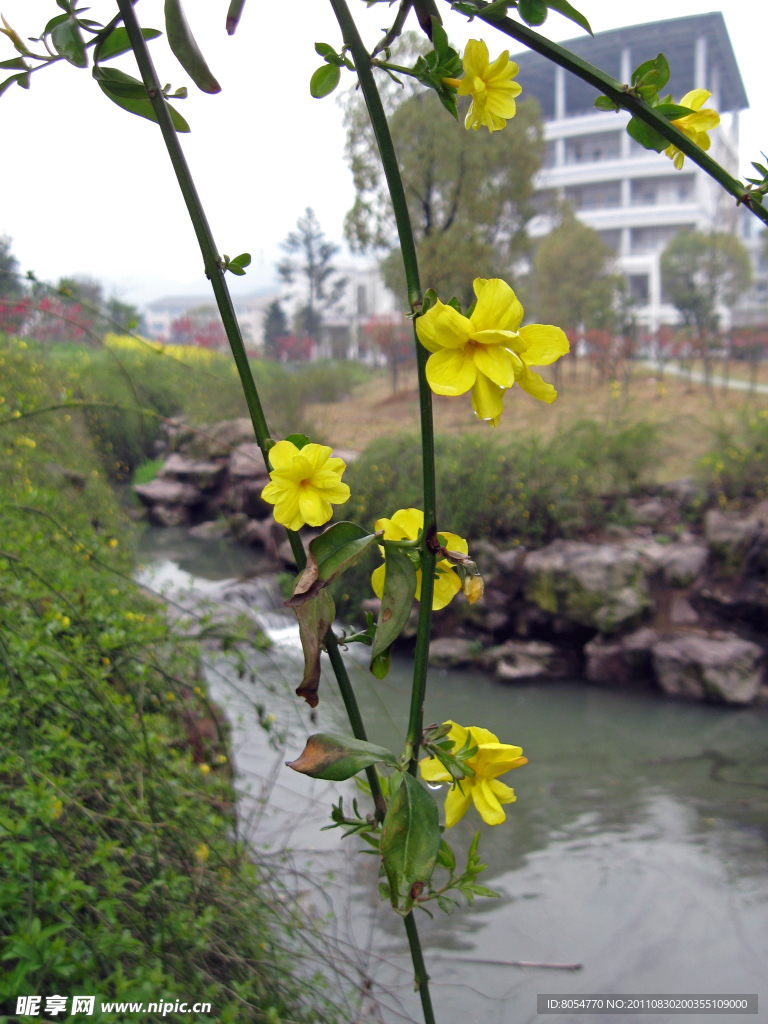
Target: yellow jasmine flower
(405, 525)
(695, 125)
(491, 760)
(304, 484)
(490, 86)
(201, 853)
(488, 351)
(205, 769)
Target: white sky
(87, 188)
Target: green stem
(620, 94)
(408, 247)
(229, 318)
(422, 978)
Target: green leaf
(243, 260)
(381, 664)
(325, 50)
(14, 64)
(446, 857)
(130, 94)
(324, 81)
(652, 73)
(68, 42)
(336, 758)
(439, 38)
(564, 8)
(233, 268)
(184, 46)
(9, 82)
(672, 111)
(648, 137)
(329, 555)
(315, 619)
(606, 103)
(300, 440)
(533, 12)
(397, 599)
(117, 42)
(410, 843)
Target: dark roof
(675, 38)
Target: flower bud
(473, 588)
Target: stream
(637, 846)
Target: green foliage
(121, 873)
(315, 265)
(410, 843)
(700, 271)
(147, 471)
(9, 266)
(185, 48)
(465, 189)
(736, 466)
(525, 492)
(275, 326)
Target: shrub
(736, 466)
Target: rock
(730, 538)
(682, 612)
(617, 532)
(620, 663)
(218, 441)
(212, 530)
(244, 495)
(168, 515)
(651, 552)
(247, 461)
(724, 669)
(682, 491)
(598, 585)
(164, 491)
(203, 475)
(521, 670)
(452, 651)
(681, 564)
(648, 513)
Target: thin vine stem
(215, 274)
(391, 167)
(623, 97)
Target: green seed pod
(187, 52)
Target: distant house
(634, 197)
(167, 319)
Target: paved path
(673, 370)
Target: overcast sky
(87, 188)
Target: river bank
(665, 594)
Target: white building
(635, 198)
(251, 309)
(365, 296)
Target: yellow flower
(473, 588)
(405, 525)
(113, 543)
(491, 760)
(205, 769)
(304, 484)
(488, 351)
(201, 853)
(695, 125)
(490, 86)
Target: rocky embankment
(653, 605)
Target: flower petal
(545, 344)
(452, 330)
(410, 521)
(503, 793)
(475, 59)
(433, 771)
(425, 327)
(501, 69)
(481, 736)
(453, 543)
(695, 98)
(287, 511)
(451, 371)
(281, 455)
(377, 580)
(457, 803)
(313, 508)
(316, 455)
(487, 803)
(497, 309)
(495, 362)
(487, 399)
(478, 284)
(536, 387)
(511, 340)
(447, 586)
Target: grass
(122, 873)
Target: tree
(703, 271)
(469, 193)
(9, 269)
(275, 326)
(316, 266)
(124, 316)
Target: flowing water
(637, 847)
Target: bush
(736, 466)
(527, 492)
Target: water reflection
(637, 845)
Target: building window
(666, 191)
(362, 301)
(589, 149)
(647, 240)
(594, 197)
(638, 287)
